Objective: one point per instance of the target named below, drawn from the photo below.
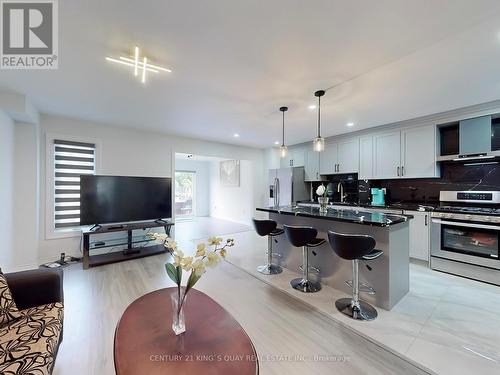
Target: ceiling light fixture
(136, 61)
(148, 68)
(144, 65)
(283, 148)
(350, 124)
(236, 135)
(319, 141)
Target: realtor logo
(28, 34)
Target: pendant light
(283, 148)
(319, 141)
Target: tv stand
(115, 227)
(95, 227)
(161, 221)
(130, 252)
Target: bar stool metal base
(270, 269)
(365, 311)
(305, 286)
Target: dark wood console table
(130, 252)
(213, 344)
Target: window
(185, 186)
(71, 159)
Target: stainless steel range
(465, 235)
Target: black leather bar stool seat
(268, 228)
(355, 247)
(304, 237)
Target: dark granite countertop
(351, 216)
(407, 206)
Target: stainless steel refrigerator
(287, 186)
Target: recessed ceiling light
(276, 142)
(349, 124)
(236, 135)
(312, 106)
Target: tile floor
(445, 324)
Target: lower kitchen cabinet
(419, 235)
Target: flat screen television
(120, 199)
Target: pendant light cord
(283, 144)
(319, 114)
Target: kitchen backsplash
(424, 190)
(453, 177)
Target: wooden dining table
(214, 342)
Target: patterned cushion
(8, 308)
(29, 345)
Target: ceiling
(236, 62)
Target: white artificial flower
(214, 241)
(320, 190)
(200, 250)
(212, 260)
(198, 267)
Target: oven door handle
(468, 225)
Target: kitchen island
(389, 274)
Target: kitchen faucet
(340, 189)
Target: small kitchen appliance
(378, 197)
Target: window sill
(64, 233)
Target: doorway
(185, 194)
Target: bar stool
(268, 228)
(355, 247)
(304, 237)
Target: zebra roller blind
(71, 159)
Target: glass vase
(323, 204)
(178, 300)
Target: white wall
(202, 182)
(26, 196)
(235, 203)
(133, 152)
(6, 190)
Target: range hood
(474, 142)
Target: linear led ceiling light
(139, 66)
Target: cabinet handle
(425, 220)
(402, 171)
(398, 171)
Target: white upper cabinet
(407, 153)
(294, 158)
(366, 158)
(311, 169)
(387, 155)
(298, 157)
(328, 159)
(348, 156)
(419, 152)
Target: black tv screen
(119, 199)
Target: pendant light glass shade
(283, 148)
(319, 141)
(319, 144)
(283, 151)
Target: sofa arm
(36, 287)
